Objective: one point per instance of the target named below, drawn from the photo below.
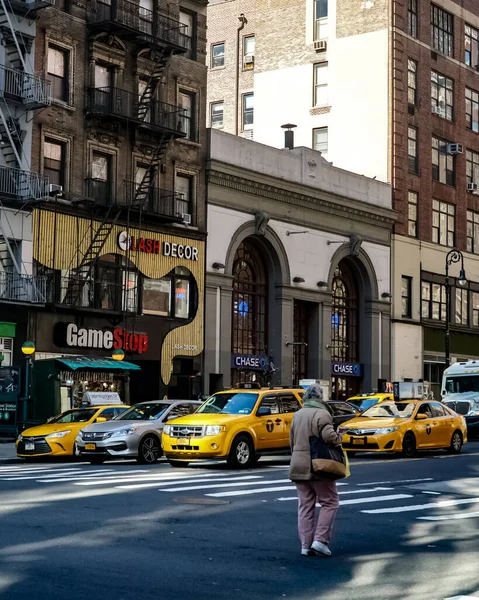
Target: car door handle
(278, 421)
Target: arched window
(250, 301)
(345, 317)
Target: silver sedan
(136, 433)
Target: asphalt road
(406, 530)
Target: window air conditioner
(186, 218)
(248, 61)
(472, 187)
(454, 148)
(320, 45)
(54, 189)
(437, 110)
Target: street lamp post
(28, 348)
(453, 257)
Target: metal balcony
(120, 104)
(21, 185)
(26, 7)
(24, 88)
(156, 202)
(16, 287)
(129, 19)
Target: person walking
(314, 419)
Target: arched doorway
(345, 346)
(249, 345)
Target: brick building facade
(123, 144)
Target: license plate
(358, 441)
(90, 446)
(29, 446)
(184, 442)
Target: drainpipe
(242, 19)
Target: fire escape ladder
(15, 54)
(143, 188)
(8, 252)
(160, 60)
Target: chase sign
(250, 362)
(346, 369)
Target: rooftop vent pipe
(289, 135)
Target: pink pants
(310, 492)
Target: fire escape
(20, 92)
(163, 37)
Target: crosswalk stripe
(185, 481)
(39, 472)
(362, 491)
(43, 476)
(375, 499)
(249, 492)
(453, 517)
(80, 476)
(440, 504)
(205, 487)
(397, 481)
(158, 478)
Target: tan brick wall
(355, 17)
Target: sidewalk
(8, 453)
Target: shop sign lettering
(347, 369)
(150, 246)
(249, 361)
(116, 339)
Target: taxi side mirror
(263, 411)
(101, 420)
(421, 417)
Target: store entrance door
(343, 388)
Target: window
(472, 110)
(218, 56)
(442, 95)
(320, 19)
(320, 141)
(320, 84)
(433, 301)
(54, 164)
(181, 283)
(187, 101)
(412, 155)
(473, 231)
(475, 309)
(443, 223)
(57, 72)
(462, 307)
(438, 410)
(248, 52)
(189, 19)
(443, 164)
(472, 166)
(411, 81)
(472, 46)
(412, 214)
(101, 177)
(406, 291)
(170, 296)
(184, 192)
(301, 320)
(412, 18)
(157, 296)
(442, 31)
(217, 114)
(103, 76)
(289, 404)
(248, 111)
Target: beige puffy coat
(307, 422)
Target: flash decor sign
(151, 246)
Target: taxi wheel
(242, 454)
(409, 445)
(456, 443)
(149, 451)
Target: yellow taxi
(57, 436)
(365, 401)
(405, 426)
(237, 426)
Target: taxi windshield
(364, 404)
(230, 403)
(144, 412)
(395, 410)
(81, 415)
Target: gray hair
(315, 391)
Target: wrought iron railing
(142, 20)
(30, 89)
(23, 185)
(24, 288)
(121, 103)
(86, 292)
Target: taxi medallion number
(90, 446)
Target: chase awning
(99, 364)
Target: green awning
(7, 329)
(99, 364)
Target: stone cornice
(334, 205)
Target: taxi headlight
(167, 429)
(383, 430)
(125, 431)
(20, 438)
(213, 429)
(58, 434)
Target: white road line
(33, 472)
(440, 504)
(50, 476)
(375, 499)
(158, 478)
(368, 491)
(184, 482)
(432, 493)
(397, 481)
(249, 492)
(453, 517)
(78, 476)
(205, 487)
(463, 597)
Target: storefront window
(182, 297)
(171, 296)
(157, 296)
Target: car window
(180, 410)
(120, 410)
(425, 409)
(289, 403)
(270, 402)
(229, 403)
(438, 410)
(364, 404)
(80, 415)
(341, 409)
(108, 413)
(396, 410)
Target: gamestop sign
(104, 339)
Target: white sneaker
(321, 548)
(307, 552)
